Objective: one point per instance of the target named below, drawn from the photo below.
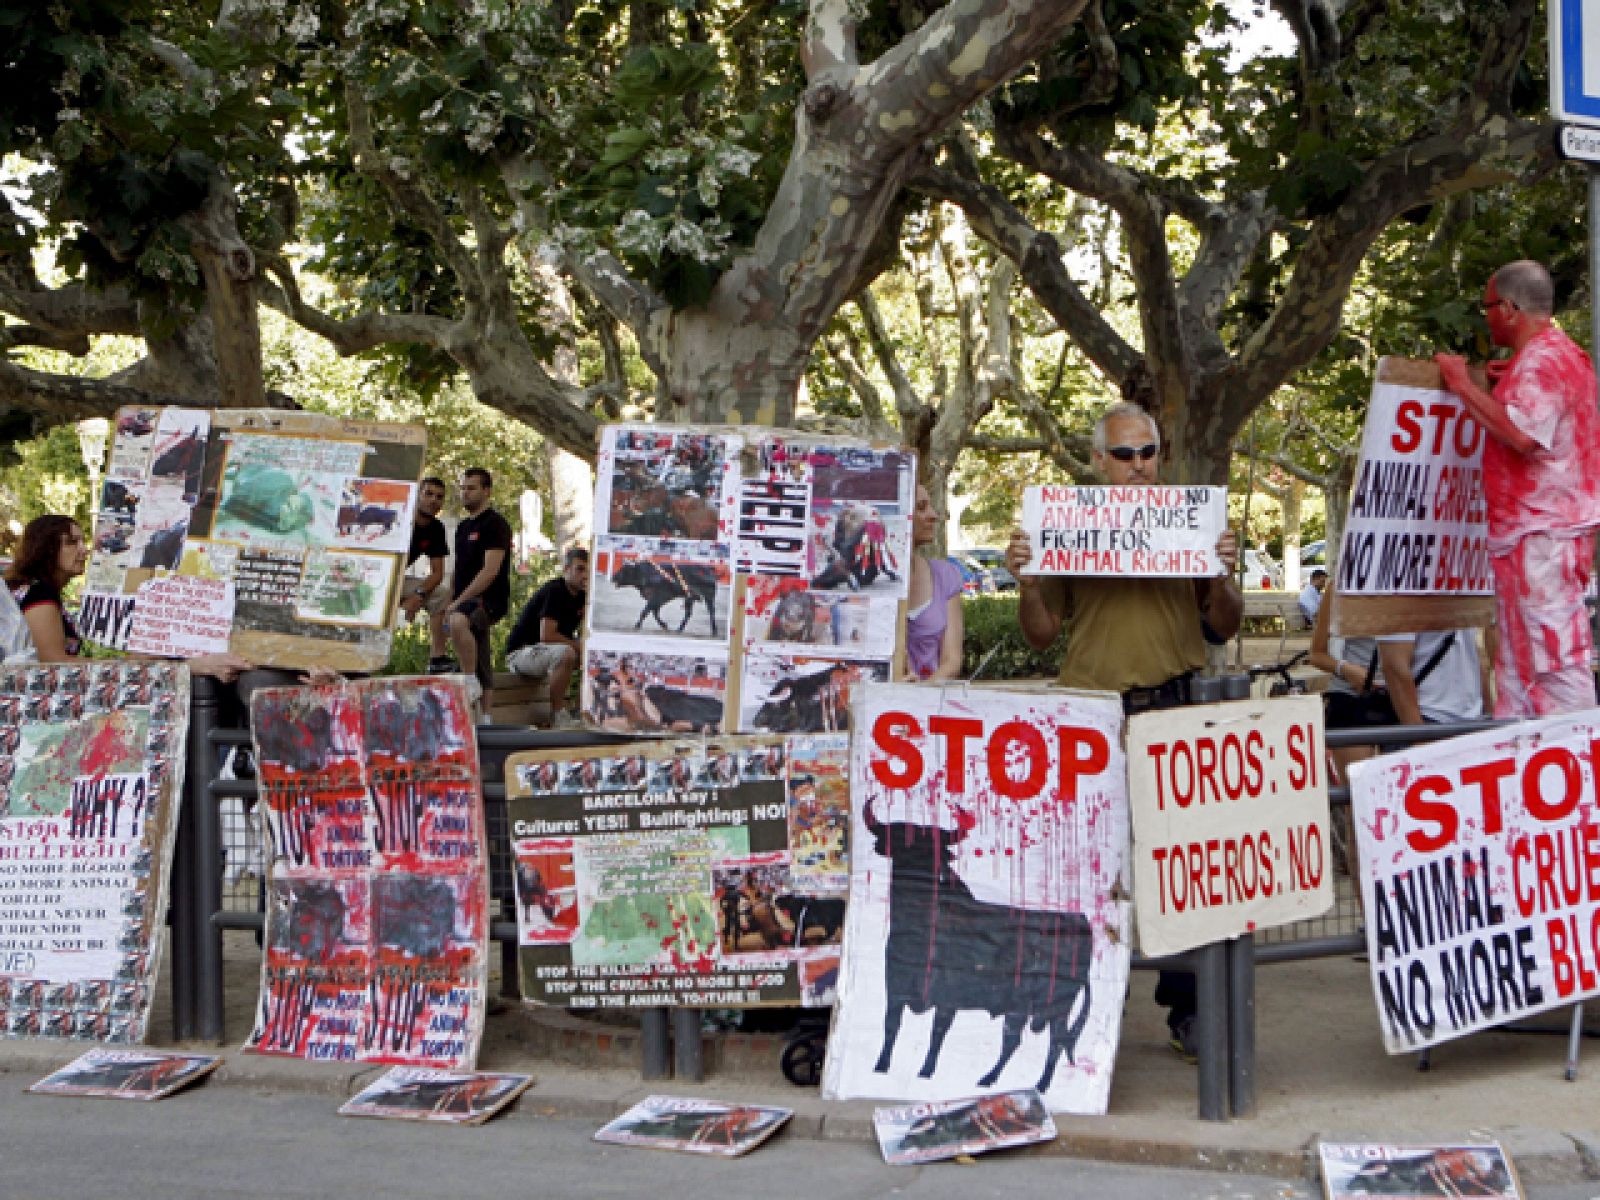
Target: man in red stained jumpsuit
(1541, 479)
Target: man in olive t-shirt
(1141, 637)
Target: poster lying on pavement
(702, 874)
(291, 527)
(377, 913)
(920, 1133)
(427, 1094)
(91, 770)
(1419, 1172)
(1230, 820)
(1477, 864)
(128, 1074)
(988, 939)
(694, 1126)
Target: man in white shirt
(1433, 678)
(1311, 595)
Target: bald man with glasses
(1144, 638)
(1541, 483)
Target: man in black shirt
(546, 641)
(482, 591)
(419, 592)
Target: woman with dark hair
(51, 555)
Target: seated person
(545, 641)
(426, 592)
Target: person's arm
(49, 630)
(1485, 409)
(1041, 624)
(1220, 600)
(1354, 674)
(550, 632)
(223, 666)
(1395, 658)
(950, 642)
(482, 580)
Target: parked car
(971, 579)
(987, 556)
(1261, 572)
(1004, 580)
(1314, 554)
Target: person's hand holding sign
(1227, 551)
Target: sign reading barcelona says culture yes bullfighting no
(1480, 862)
(1124, 530)
(1230, 820)
(987, 943)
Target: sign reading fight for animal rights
(1417, 523)
(988, 939)
(279, 535)
(1480, 862)
(743, 580)
(1230, 820)
(1126, 530)
(377, 914)
(699, 875)
(91, 769)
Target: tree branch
(358, 334)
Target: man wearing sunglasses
(1142, 637)
(1541, 483)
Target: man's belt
(1174, 693)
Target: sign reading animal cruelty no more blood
(1230, 820)
(987, 938)
(1480, 864)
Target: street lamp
(93, 434)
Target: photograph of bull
(949, 952)
(661, 584)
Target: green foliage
(993, 648)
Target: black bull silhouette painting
(949, 952)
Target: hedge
(993, 647)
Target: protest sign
(1480, 864)
(1414, 554)
(920, 1133)
(694, 1126)
(1124, 530)
(426, 1094)
(705, 874)
(127, 1074)
(1230, 820)
(377, 915)
(307, 518)
(91, 771)
(988, 938)
(1351, 1170)
(754, 561)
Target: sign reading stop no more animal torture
(988, 931)
(377, 917)
(1230, 820)
(1480, 864)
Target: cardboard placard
(1157, 532)
(1478, 864)
(127, 1074)
(1355, 1170)
(743, 579)
(988, 935)
(694, 1126)
(377, 914)
(704, 874)
(427, 1094)
(1230, 820)
(307, 517)
(920, 1133)
(92, 758)
(1414, 555)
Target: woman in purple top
(933, 607)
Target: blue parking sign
(1575, 61)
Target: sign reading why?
(1230, 820)
(1124, 530)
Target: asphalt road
(217, 1141)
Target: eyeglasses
(1127, 454)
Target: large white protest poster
(1230, 820)
(91, 769)
(987, 936)
(1480, 864)
(1124, 530)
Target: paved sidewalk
(1322, 1073)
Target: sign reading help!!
(1417, 523)
(987, 930)
(1480, 862)
(1124, 530)
(1230, 820)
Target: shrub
(994, 644)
